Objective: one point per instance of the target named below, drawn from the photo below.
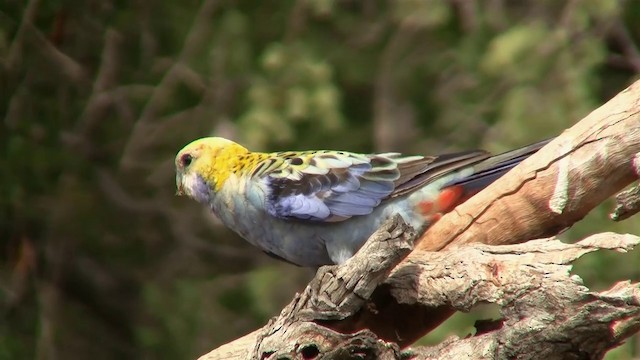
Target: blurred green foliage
(100, 260)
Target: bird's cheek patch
(195, 187)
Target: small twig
(630, 53)
(340, 291)
(105, 79)
(390, 114)
(114, 192)
(14, 55)
(143, 133)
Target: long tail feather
(487, 171)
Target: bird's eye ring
(186, 160)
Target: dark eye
(186, 160)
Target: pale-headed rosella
(313, 208)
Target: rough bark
(547, 312)
(545, 194)
(627, 204)
(555, 187)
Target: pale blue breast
(240, 206)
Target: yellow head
(205, 164)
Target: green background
(99, 259)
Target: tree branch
(547, 312)
(627, 204)
(545, 194)
(555, 187)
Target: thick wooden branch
(555, 187)
(548, 314)
(545, 194)
(546, 311)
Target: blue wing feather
(306, 207)
(325, 187)
(329, 187)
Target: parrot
(315, 208)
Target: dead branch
(546, 312)
(545, 194)
(627, 204)
(555, 187)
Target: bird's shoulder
(328, 185)
(293, 165)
